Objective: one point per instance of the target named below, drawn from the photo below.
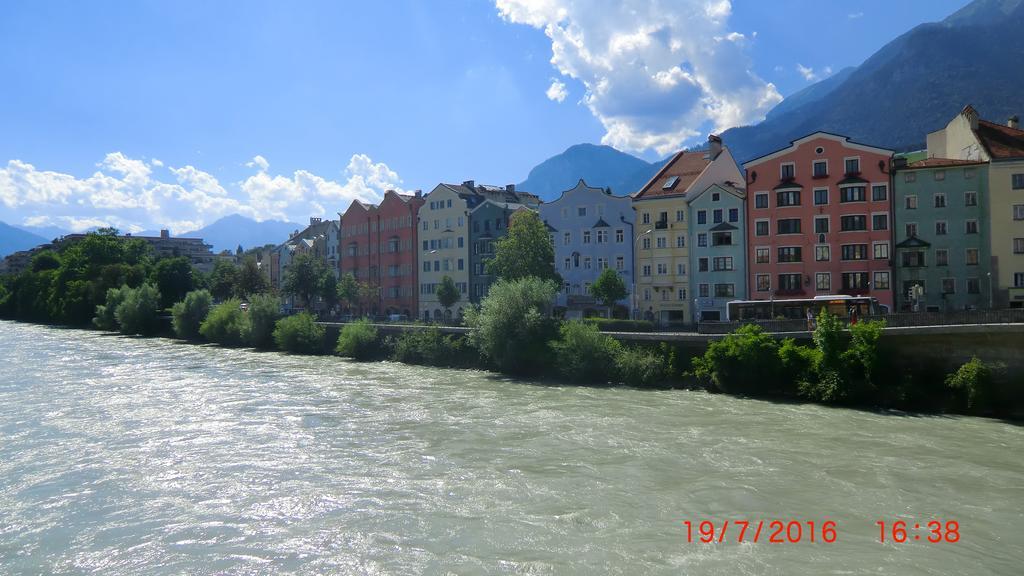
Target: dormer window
(853, 165)
(671, 183)
(787, 171)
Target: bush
(972, 383)
(188, 315)
(637, 366)
(223, 324)
(105, 319)
(511, 328)
(583, 354)
(299, 334)
(430, 347)
(862, 355)
(258, 328)
(358, 340)
(745, 361)
(616, 325)
(137, 313)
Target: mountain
(14, 239)
(231, 231)
(911, 86)
(48, 232)
(812, 93)
(600, 166)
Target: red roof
(938, 162)
(685, 166)
(1001, 142)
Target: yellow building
(661, 231)
(967, 137)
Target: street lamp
(990, 305)
(635, 271)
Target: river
(147, 456)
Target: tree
(447, 293)
(348, 290)
(526, 250)
(258, 328)
(45, 260)
(608, 288)
(173, 278)
(511, 329)
(251, 279)
(137, 313)
(223, 279)
(188, 315)
(305, 278)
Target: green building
(942, 260)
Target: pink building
(820, 220)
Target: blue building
(718, 249)
(592, 230)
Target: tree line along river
(148, 456)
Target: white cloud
(656, 74)
(557, 91)
(810, 75)
(855, 15)
(124, 193)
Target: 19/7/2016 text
(795, 531)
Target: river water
(146, 456)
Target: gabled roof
(843, 140)
(723, 186)
(600, 224)
(851, 180)
(686, 166)
(788, 185)
(1001, 142)
(724, 226)
(913, 242)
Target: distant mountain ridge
(601, 166)
(14, 239)
(236, 230)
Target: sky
(152, 114)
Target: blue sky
(143, 114)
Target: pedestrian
(853, 314)
(810, 320)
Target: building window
(821, 196)
(910, 202)
(645, 217)
(787, 198)
(1018, 279)
(702, 239)
(721, 238)
(602, 236)
(761, 200)
(790, 282)
(724, 263)
(702, 217)
(940, 227)
(852, 194)
(1017, 181)
(681, 294)
(1018, 245)
(761, 228)
(854, 251)
(661, 242)
(881, 280)
(763, 282)
(680, 214)
(761, 255)
(1018, 211)
(646, 244)
(940, 174)
(620, 263)
(879, 192)
(913, 259)
(788, 254)
(820, 168)
(581, 211)
(821, 224)
(911, 228)
(662, 269)
(647, 293)
(681, 269)
(879, 221)
(822, 253)
(647, 270)
(462, 264)
(855, 280)
(970, 198)
(971, 256)
(853, 223)
(789, 226)
(725, 290)
(586, 236)
(948, 286)
(703, 290)
(852, 165)
(567, 263)
(941, 257)
(971, 226)
(823, 282)
(881, 250)
(717, 216)
(586, 263)
(734, 215)
(681, 241)
(715, 196)
(940, 200)
(973, 286)
(702, 264)
(910, 177)
(787, 171)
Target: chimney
(419, 193)
(471, 184)
(314, 220)
(1014, 122)
(714, 146)
(511, 188)
(165, 233)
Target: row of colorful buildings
(938, 229)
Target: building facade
(319, 240)
(819, 220)
(718, 261)
(941, 230)
(661, 234)
(1001, 146)
(591, 230)
(378, 245)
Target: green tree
(608, 288)
(173, 278)
(223, 324)
(137, 313)
(745, 361)
(188, 315)
(299, 334)
(525, 251)
(357, 340)
(251, 279)
(258, 329)
(447, 293)
(305, 278)
(45, 260)
(223, 279)
(511, 329)
(105, 318)
(348, 290)
(584, 354)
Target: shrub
(137, 313)
(223, 324)
(637, 366)
(299, 334)
(616, 325)
(583, 354)
(799, 364)
(105, 319)
(188, 315)
(862, 355)
(511, 328)
(745, 361)
(258, 328)
(430, 347)
(972, 382)
(358, 340)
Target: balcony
(661, 225)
